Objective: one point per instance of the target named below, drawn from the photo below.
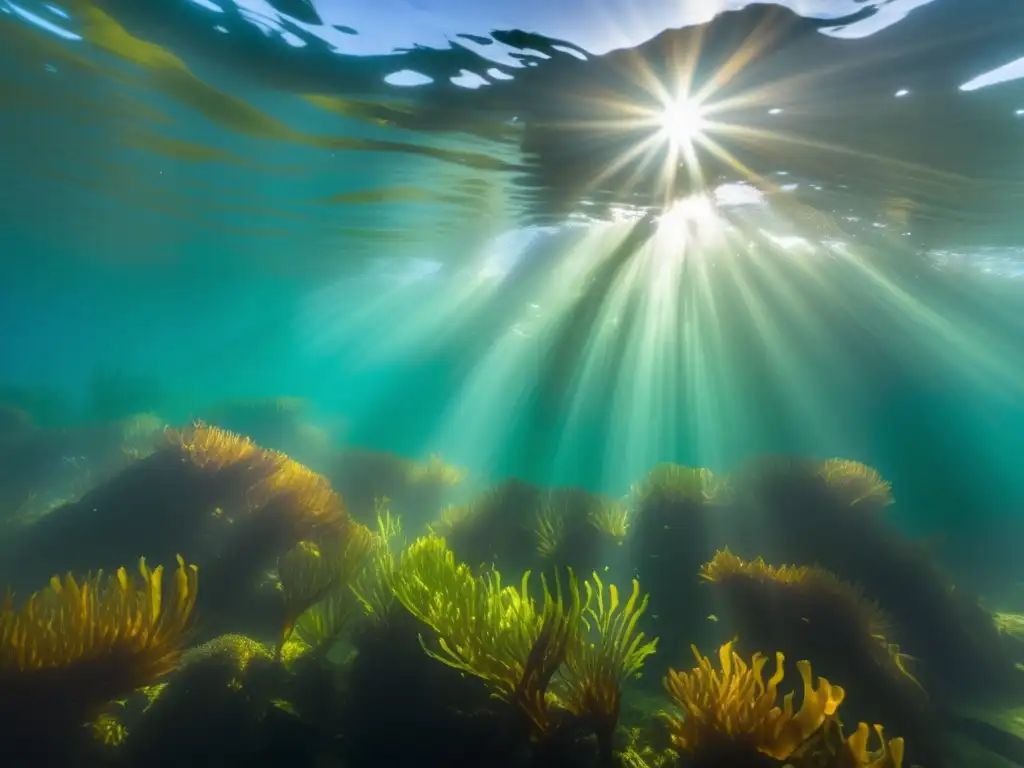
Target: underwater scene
(454, 384)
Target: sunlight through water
(466, 354)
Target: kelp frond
(733, 705)
(610, 517)
(69, 623)
(635, 753)
(449, 519)
(311, 570)
(856, 482)
(857, 752)
(308, 495)
(675, 484)
(360, 580)
(725, 565)
(814, 594)
(549, 527)
(322, 624)
(1011, 624)
(547, 650)
(605, 656)
(389, 527)
(98, 638)
(899, 662)
(436, 471)
(492, 632)
(298, 492)
(214, 449)
(812, 581)
(372, 586)
(835, 750)
(108, 730)
(427, 578)
(306, 573)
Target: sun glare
(682, 121)
(689, 220)
(690, 229)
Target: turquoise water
(233, 203)
(563, 243)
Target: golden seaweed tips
(857, 482)
(735, 703)
(98, 637)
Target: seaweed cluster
(680, 516)
(731, 717)
(811, 611)
(525, 527)
(836, 511)
(516, 644)
(420, 488)
(78, 644)
(318, 637)
(313, 570)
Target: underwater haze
(450, 383)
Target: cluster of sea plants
(293, 627)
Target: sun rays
(745, 310)
(677, 113)
(682, 122)
(723, 327)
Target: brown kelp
(832, 748)
(833, 514)
(573, 527)
(231, 504)
(159, 505)
(420, 489)
(79, 643)
(808, 612)
(731, 717)
(677, 526)
(604, 654)
(499, 524)
(284, 507)
(832, 616)
(311, 570)
(527, 527)
(732, 711)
